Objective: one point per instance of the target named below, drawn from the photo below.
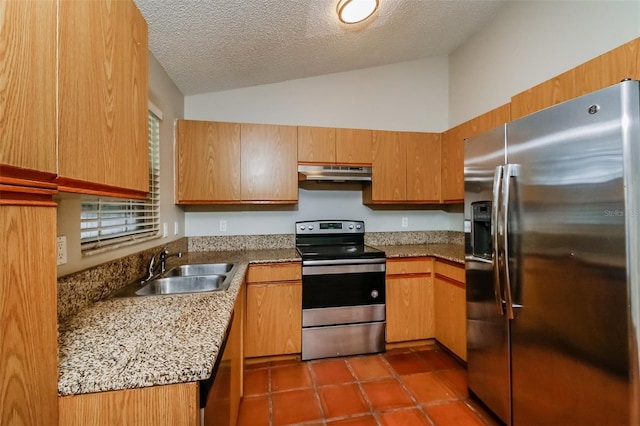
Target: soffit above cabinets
(208, 46)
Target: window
(108, 223)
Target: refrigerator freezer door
(487, 326)
(570, 347)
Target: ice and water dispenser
(481, 229)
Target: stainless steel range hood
(332, 173)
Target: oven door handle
(362, 268)
(342, 262)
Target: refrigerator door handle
(497, 180)
(510, 171)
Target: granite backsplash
(83, 288)
(284, 241)
(80, 289)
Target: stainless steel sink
(191, 278)
(200, 269)
(190, 284)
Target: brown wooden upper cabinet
(609, 68)
(453, 150)
(207, 161)
(406, 168)
(316, 145)
(269, 169)
(602, 71)
(233, 163)
(103, 98)
(328, 145)
(28, 101)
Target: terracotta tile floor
(414, 386)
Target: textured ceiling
(214, 45)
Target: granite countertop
(125, 343)
(451, 252)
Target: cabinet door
(28, 86)
(103, 98)
(269, 163)
(423, 167)
(237, 356)
(609, 68)
(409, 308)
(169, 405)
(353, 146)
(28, 326)
(492, 119)
(452, 189)
(267, 272)
(453, 149)
(274, 319)
(316, 145)
(208, 161)
(389, 183)
(554, 91)
(450, 315)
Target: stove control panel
(330, 227)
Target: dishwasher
(215, 392)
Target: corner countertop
(450, 252)
(126, 343)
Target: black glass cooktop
(323, 252)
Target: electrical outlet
(405, 222)
(223, 226)
(176, 228)
(165, 230)
(61, 249)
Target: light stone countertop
(451, 252)
(125, 343)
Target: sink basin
(200, 269)
(188, 284)
(191, 278)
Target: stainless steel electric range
(343, 290)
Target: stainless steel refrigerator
(552, 216)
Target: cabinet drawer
(268, 272)
(451, 271)
(412, 265)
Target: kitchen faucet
(152, 269)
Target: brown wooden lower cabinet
(409, 299)
(28, 327)
(274, 310)
(171, 405)
(227, 396)
(450, 307)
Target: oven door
(343, 282)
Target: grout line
(376, 415)
(400, 380)
(312, 375)
(358, 382)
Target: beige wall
(164, 94)
(529, 42)
(410, 96)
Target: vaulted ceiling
(215, 45)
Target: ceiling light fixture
(353, 11)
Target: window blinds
(113, 222)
